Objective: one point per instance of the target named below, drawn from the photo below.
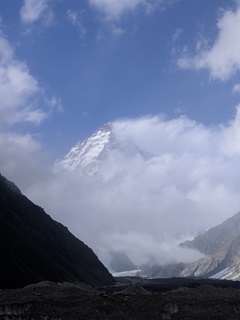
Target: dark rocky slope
(34, 247)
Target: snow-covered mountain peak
(84, 157)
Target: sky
(167, 70)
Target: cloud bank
(184, 180)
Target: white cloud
(100, 36)
(20, 158)
(186, 182)
(21, 99)
(236, 88)
(35, 116)
(114, 9)
(222, 59)
(177, 34)
(135, 244)
(18, 89)
(75, 20)
(16, 83)
(117, 30)
(231, 136)
(32, 10)
(6, 52)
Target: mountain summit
(85, 156)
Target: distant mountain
(34, 247)
(221, 246)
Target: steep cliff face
(34, 247)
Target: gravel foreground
(49, 301)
